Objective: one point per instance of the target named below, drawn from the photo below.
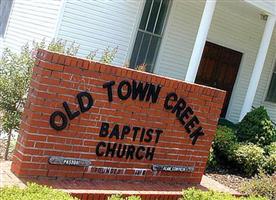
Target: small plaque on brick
(172, 168)
(58, 160)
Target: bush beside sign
(90, 120)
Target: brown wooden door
(219, 68)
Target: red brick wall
(58, 78)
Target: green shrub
(212, 160)
(195, 194)
(109, 55)
(227, 123)
(224, 144)
(263, 185)
(33, 192)
(271, 149)
(115, 197)
(120, 197)
(256, 127)
(270, 164)
(249, 157)
(61, 46)
(133, 198)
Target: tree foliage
(15, 72)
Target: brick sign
(89, 120)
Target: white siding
(179, 37)
(31, 20)
(100, 24)
(235, 25)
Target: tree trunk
(8, 144)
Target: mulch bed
(229, 178)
